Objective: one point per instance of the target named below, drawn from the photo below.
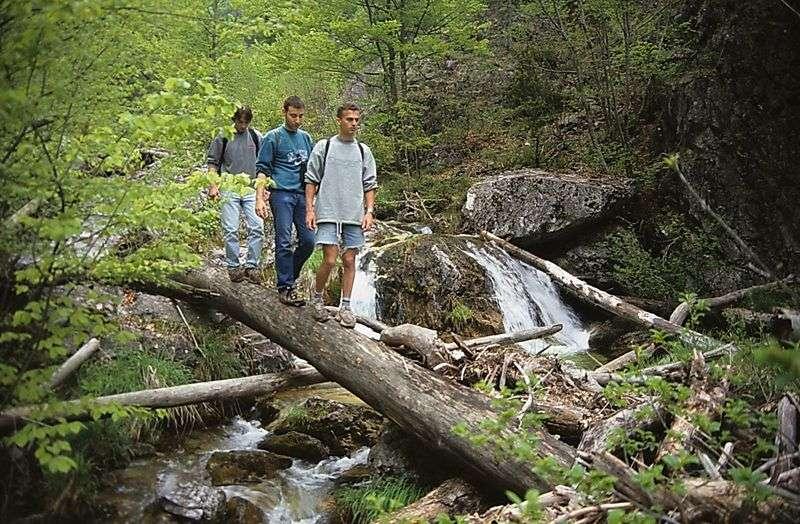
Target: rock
(355, 475)
(399, 454)
(244, 466)
(530, 206)
(191, 500)
(265, 410)
(428, 279)
(342, 428)
(243, 511)
(297, 445)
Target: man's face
(293, 117)
(240, 124)
(348, 122)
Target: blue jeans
(289, 208)
(232, 206)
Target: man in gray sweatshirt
(238, 155)
(341, 182)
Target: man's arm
(312, 179)
(311, 216)
(369, 212)
(264, 173)
(214, 161)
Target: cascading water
(527, 299)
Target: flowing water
(526, 297)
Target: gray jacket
(347, 178)
(240, 154)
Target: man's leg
(305, 237)
(282, 205)
(346, 316)
(255, 237)
(327, 238)
(353, 240)
(229, 217)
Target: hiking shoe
(319, 312)
(253, 275)
(346, 318)
(290, 297)
(237, 274)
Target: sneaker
(237, 274)
(346, 318)
(320, 313)
(252, 274)
(290, 297)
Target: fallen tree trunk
(786, 439)
(680, 313)
(418, 400)
(605, 300)
(598, 437)
(74, 362)
(506, 339)
(169, 397)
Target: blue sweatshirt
(283, 156)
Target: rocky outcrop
(531, 206)
(738, 130)
(342, 428)
(297, 445)
(399, 454)
(191, 500)
(243, 511)
(430, 281)
(244, 466)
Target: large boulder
(431, 281)
(191, 500)
(297, 445)
(399, 454)
(244, 466)
(342, 428)
(530, 206)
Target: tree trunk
(418, 400)
(74, 362)
(174, 396)
(452, 497)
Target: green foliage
(460, 315)
(219, 359)
(378, 497)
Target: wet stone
(244, 466)
(295, 444)
(243, 511)
(191, 500)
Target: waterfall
(527, 298)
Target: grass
(378, 497)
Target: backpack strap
(222, 154)
(325, 158)
(254, 136)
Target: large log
(183, 395)
(418, 400)
(453, 497)
(74, 362)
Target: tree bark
(596, 438)
(74, 362)
(505, 339)
(786, 439)
(15, 418)
(418, 400)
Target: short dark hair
(346, 107)
(293, 101)
(243, 112)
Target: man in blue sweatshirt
(283, 157)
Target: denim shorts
(347, 236)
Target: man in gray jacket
(238, 155)
(341, 182)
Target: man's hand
(367, 221)
(261, 204)
(213, 192)
(311, 219)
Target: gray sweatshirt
(347, 178)
(240, 154)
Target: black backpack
(253, 135)
(325, 159)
